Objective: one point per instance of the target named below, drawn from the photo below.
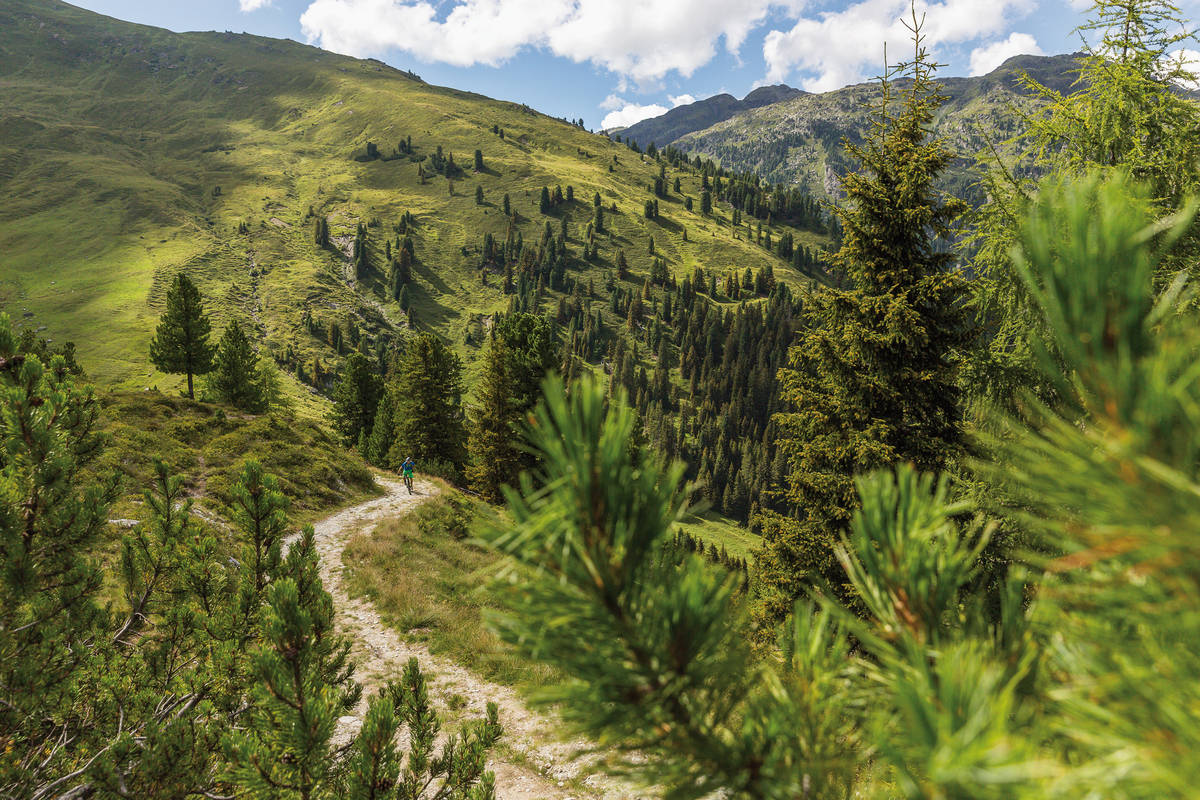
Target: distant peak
(766, 95)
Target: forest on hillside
(968, 445)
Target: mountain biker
(406, 469)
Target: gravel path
(533, 763)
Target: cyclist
(406, 469)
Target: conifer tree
(479, 161)
(871, 381)
(50, 520)
(235, 377)
(181, 342)
(544, 201)
(382, 428)
(295, 699)
(377, 771)
(259, 509)
(530, 348)
(493, 444)
(478, 195)
(427, 403)
(355, 398)
(1126, 114)
(401, 272)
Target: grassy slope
(113, 138)
(715, 529)
(207, 444)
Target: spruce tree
(180, 345)
(355, 398)
(530, 348)
(235, 377)
(478, 195)
(544, 201)
(427, 397)
(493, 444)
(872, 380)
(382, 428)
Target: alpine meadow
(367, 438)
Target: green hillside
(128, 153)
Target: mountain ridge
(797, 139)
(691, 117)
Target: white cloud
(986, 58)
(630, 113)
(640, 40)
(841, 47)
(623, 113)
(612, 102)
(1188, 62)
(474, 32)
(253, 5)
(644, 42)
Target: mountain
(798, 139)
(128, 153)
(702, 114)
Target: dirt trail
(534, 764)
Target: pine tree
(544, 201)
(180, 343)
(355, 398)
(872, 381)
(495, 458)
(234, 379)
(478, 195)
(52, 517)
(295, 700)
(479, 161)
(376, 768)
(259, 509)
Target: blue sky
(615, 61)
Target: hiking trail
(530, 762)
